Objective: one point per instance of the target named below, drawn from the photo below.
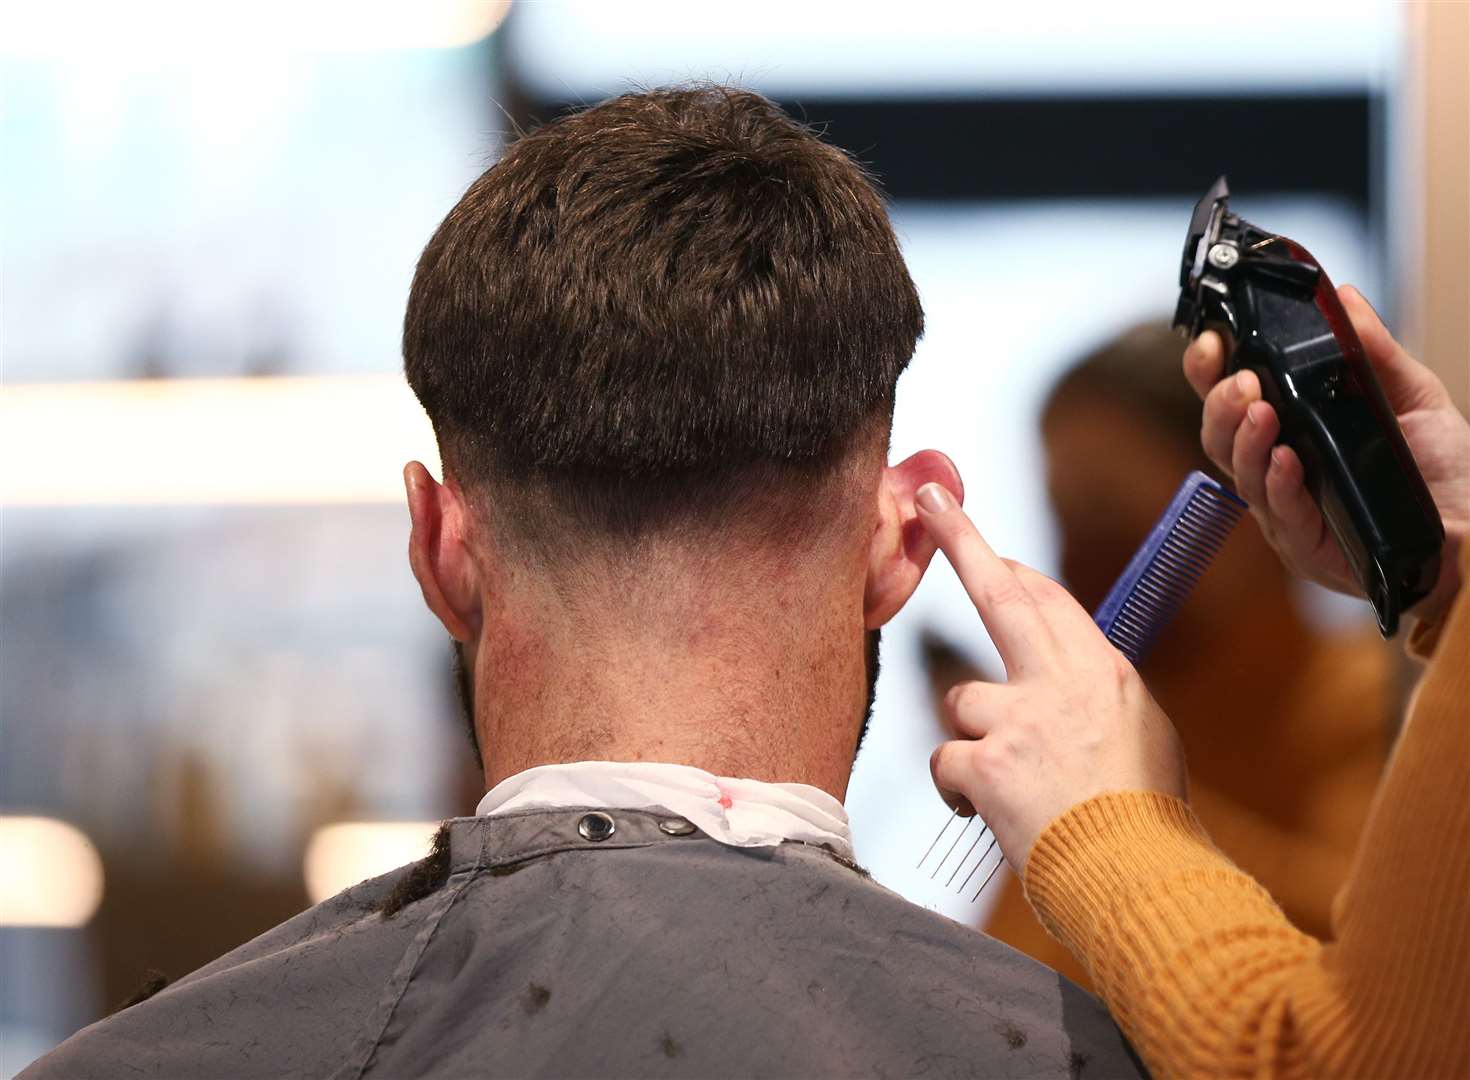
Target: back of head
(674, 299)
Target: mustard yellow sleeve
(1206, 975)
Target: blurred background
(220, 696)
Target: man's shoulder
(675, 953)
(527, 944)
(287, 1002)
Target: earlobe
(901, 549)
(438, 554)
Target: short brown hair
(657, 295)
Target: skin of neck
(751, 665)
(739, 648)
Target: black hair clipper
(1280, 317)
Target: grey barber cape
(609, 943)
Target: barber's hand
(1240, 429)
(1073, 721)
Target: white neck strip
(742, 813)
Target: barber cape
(671, 923)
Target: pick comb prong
(960, 836)
(981, 862)
(935, 842)
(998, 864)
(965, 858)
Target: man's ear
(438, 551)
(900, 549)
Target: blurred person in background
(659, 342)
(1283, 785)
(1081, 776)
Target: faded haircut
(678, 298)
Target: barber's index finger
(1006, 608)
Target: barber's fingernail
(933, 498)
(1242, 384)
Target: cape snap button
(596, 827)
(676, 826)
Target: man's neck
(775, 693)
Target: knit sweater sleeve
(1206, 975)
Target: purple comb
(1161, 573)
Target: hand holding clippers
(1279, 316)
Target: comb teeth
(1165, 569)
(1140, 604)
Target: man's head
(658, 342)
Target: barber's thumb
(945, 766)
